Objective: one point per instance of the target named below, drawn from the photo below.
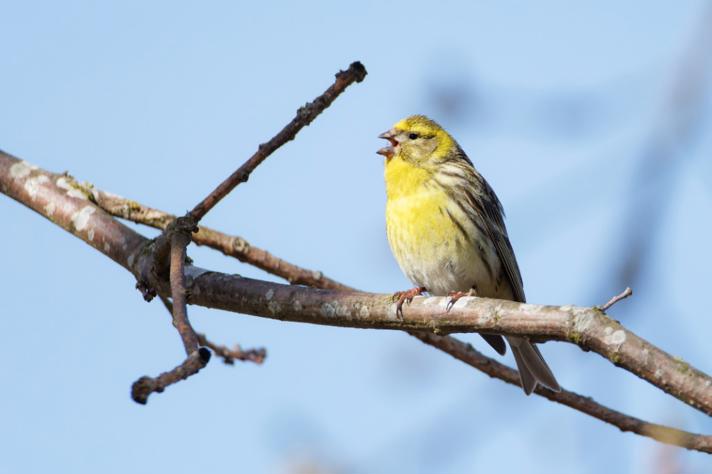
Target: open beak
(388, 151)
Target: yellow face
(417, 140)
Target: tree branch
(587, 327)
(232, 246)
(145, 386)
(305, 115)
(467, 354)
(229, 356)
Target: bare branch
(145, 386)
(625, 294)
(587, 327)
(467, 354)
(179, 241)
(232, 246)
(229, 356)
(305, 115)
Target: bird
(445, 226)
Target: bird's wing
(493, 216)
(488, 211)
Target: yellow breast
(419, 228)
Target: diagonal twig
(232, 246)
(145, 386)
(623, 295)
(467, 354)
(305, 115)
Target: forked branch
(589, 328)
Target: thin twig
(467, 354)
(179, 241)
(625, 294)
(229, 356)
(145, 386)
(232, 246)
(305, 115)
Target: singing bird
(446, 229)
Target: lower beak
(388, 151)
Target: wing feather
(488, 215)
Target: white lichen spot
(50, 208)
(567, 308)
(582, 322)
(82, 218)
(63, 183)
(274, 307)
(364, 311)
(342, 310)
(107, 247)
(90, 235)
(658, 373)
(269, 294)
(617, 338)
(32, 185)
(328, 310)
(75, 193)
(297, 305)
(21, 169)
(130, 260)
(708, 383)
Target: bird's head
(418, 140)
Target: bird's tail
(532, 366)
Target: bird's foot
(456, 295)
(406, 297)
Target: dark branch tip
(359, 70)
(204, 354)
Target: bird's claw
(456, 295)
(407, 296)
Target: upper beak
(388, 151)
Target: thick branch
(587, 327)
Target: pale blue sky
(159, 101)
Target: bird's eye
(413, 136)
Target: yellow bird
(446, 229)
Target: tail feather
(496, 342)
(532, 367)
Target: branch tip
(623, 295)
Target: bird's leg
(456, 295)
(406, 297)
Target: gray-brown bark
(58, 198)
